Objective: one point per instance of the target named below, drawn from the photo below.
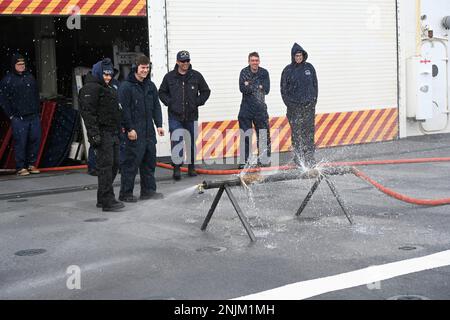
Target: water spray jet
(318, 173)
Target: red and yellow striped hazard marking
(221, 139)
(68, 7)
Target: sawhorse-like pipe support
(333, 190)
(236, 206)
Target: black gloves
(96, 140)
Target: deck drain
(96, 220)
(408, 248)
(18, 200)
(30, 252)
(211, 249)
(408, 297)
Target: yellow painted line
(203, 133)
(355, 127)
(378, 125)
(50, 7)
(319, 117)
(12, 6)
(334, 128)
(324, 124)
(100, 11)
(87, 7)
(344, 129)
(386, 129)
(282, 133)
(367, 125)
(216, 135)
(233, 133)
(136, 9)
(120, 8)
(29, 9)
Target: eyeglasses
(20, 64)
(185, 61)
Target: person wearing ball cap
(20, 100)
(183, 90)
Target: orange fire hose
(358, 173)
(398, 196)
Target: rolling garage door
(351, 43)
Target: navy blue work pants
(27, 139)
(263, 140)
(178, 131)
(138, 154)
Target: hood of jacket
(14, 58)
(97, 69)
(298, 48)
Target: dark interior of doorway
(74, 48)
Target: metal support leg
(213, 208)
(338, 198)
(240, 213)
(309, 195)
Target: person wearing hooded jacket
(299, 91)
(138, 96)
(19, 98)
(183, 90)
(101, 113)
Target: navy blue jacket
(253, 96)
(140, 107)
(299, 81)
(19, 94)
(184, 94)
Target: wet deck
(155, 249)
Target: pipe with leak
(294, 174)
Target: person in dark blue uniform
(19, 98)
(183, 90)
(299, 90)
(254, 83)
(138, 96)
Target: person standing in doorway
(183, 90)
(19, 98)
(138, 96)
(254, 83)
(102, 116)
(299, 90)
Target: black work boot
(191, 170)
(113, 206)
(128, 198)
(176, 173)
